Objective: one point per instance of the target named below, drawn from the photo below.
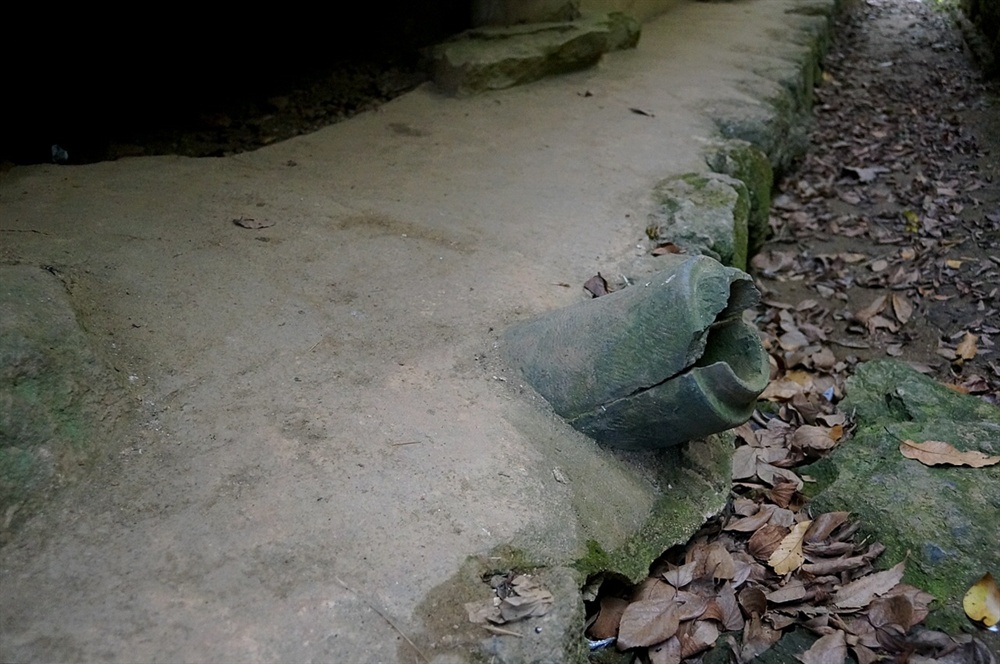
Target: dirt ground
(887, 238)
(324, 432)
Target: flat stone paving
(324, 430)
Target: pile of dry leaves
(768, 565)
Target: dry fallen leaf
(788, 556)
(697, 636)
(597, 285)
(647, 622)
(757, 638)
(966, 349)
(938, 453)
(825, 524)
(828, 649)
(982, 601)
(861, 592)
(813, 438)
(902, 308)
(528, 599)
(606, 625)
(765, 541)
(667, 248)
(668, 652)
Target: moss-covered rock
(703, 213)
(695, 488)
(943, 520)
(493, 58)
(747, 163)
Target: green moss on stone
(705, 213)
(747, 163)
(695, 487)
(942, 520)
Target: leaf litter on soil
(885, 242)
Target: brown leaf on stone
(782, 492)
(597, 285)
(529, 599)
(746, 568)
(966, 349)
(752, 523)
(725, 609)
(920, 600)
(865, 655)
(608, 617)
(696, 637)
(901, 308)
(861, 592)
(824, 525)
(876, 307)
(681, 576)
(876, 323)
(813, 439)
(667, 248)
(828, 649)
(891, 610)
(938, 453)
(833, 566)
(743, 506)
(788, 556)
(719, 563)
(647, 622)
(765, 541)
(744, 463)
(667, 652)
(757, 638)
(781, 619)
(690, 605)
(753, 600)
(792, 591)
(770, 474)
(653, 588)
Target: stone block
(493, 58)
(703, 213)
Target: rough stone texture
(501, 57)
(654, 365)
(703, 213)
(550, 639)
(698, 480)
(943, 520)
(51, 388)
(776, 118)
(747, 163)
(771, 129)
(514, 12)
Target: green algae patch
(942, 520)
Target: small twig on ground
(384, 617)
(502, 632)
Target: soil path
(887, 238)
